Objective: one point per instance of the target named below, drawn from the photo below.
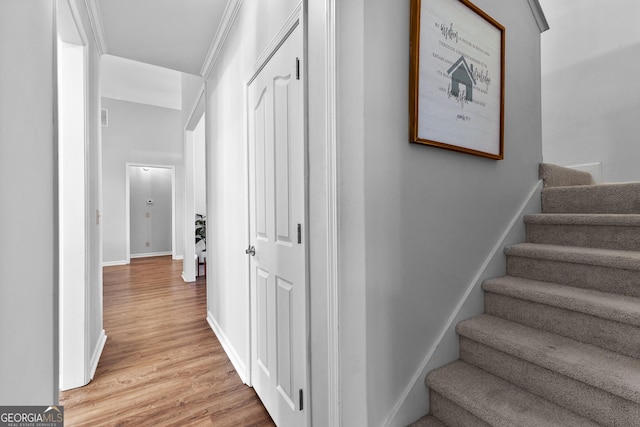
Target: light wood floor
(162, 364)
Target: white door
(277, 224)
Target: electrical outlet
(147, 244)
(147, 215)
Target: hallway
(162, 365)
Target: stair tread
(603, 198)
(612, 186)
(610, 371)
(619, 220)
(627, 260)
(428, 421)
(497, 401)
(605, 305)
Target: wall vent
(104, 117)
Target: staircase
(559, 342)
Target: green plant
(201, 229)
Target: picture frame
(456, 82)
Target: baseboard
(151, 254)
(113, 263)
(97, 352)
(413, 402)
(178, 257)
(235, 359)
(595, 169)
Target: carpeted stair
(559, 343)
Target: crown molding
(228, 18)
(97, 27)
(538, 14)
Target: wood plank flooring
(162, 364)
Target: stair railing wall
(445, 349)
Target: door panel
(260, 135)
(262, 288)
(278, 268)
(282, 150)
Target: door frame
(197, 115)
(295, 20)
(74, 301)
(128, 206)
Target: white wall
(28, 220)
(190, 90)
(227, 214)
(416, 222)
(200, 168)
(141, 134)
(150, 222)
(134, 81)
(71, 202)
(76, 26)
(589, 86)
(96, 334)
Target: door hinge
(301, 400)
(297, 68)
(299, 234)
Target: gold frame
(415, 81)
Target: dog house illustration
(462, 74)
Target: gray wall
(417, 222)
(590, 107)
(140, 134)
(28, 220)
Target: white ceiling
(175, 34)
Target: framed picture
(456, 78)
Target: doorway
(75, 368)
(195, 165)
(150, 201)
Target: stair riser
(586, 236)
(451, 414)
(619, 199)
(615, 336)
(596, 404)
(605, 279)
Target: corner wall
(417, 222)
(590, 58)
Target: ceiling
(175, 34)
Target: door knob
(251, 251)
